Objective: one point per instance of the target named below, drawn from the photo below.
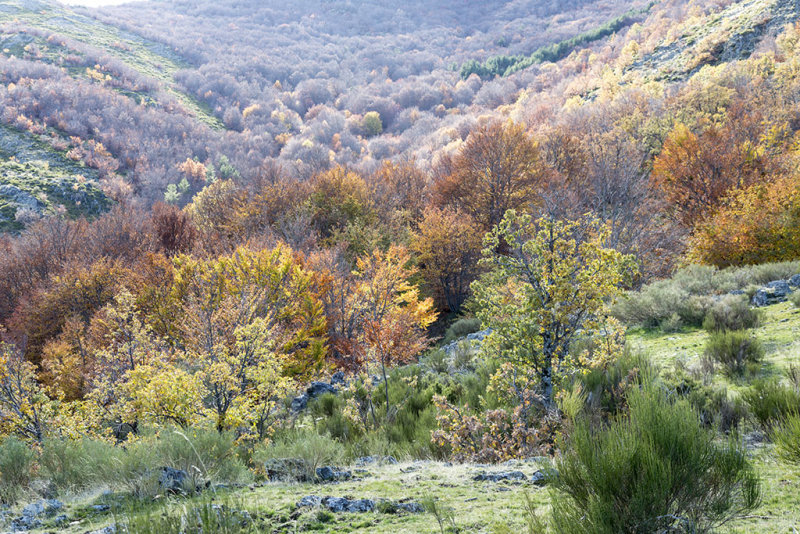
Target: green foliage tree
(372, 123)
(554, 282)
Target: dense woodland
(292, 190)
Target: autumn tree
(754, 225)
(554, 283)
(244, 315)
(393, 315)
(448, 247)
(695, 172)
(25, 409)
(339, 198)
(498, 168)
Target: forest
(506, 266)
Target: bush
(461, 328)
(206, 454)
(771, 402)
(16, 461)
(787, 439)
(313, 450)
(734, 350)
(655, 469)
(713, 405)
(672, 324)
(205, 517)
(794, 298)
(71, 465)
(732, 312)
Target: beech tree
(448, 247)
(497, 169)
(554, 282)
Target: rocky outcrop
(775, 291)
(475, 338)
(343, 504)
(32, 514)
(316, 389)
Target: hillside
(444, 266)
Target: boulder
(772, 293)
(780, 288)
(794, 281)
(45, 507)
(29, 519)
(498, 477)
(315, 389)
(338, 504)
(330, 474)
(173, 480)
(341, 504)
(540, 478)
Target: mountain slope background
(158, 83)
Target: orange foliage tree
(754, 225)
(695, 172)
(499, 168)
(448, 246)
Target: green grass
(779, 333)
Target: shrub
(204, 517)
(732, 312)
(771, 402)
(461, 328)
(16, 461)
(713, 405)
(787, 439)
(78, 464)
(794, 298)
(655, 469)
(310, 448)
(672, 324)
(734, 350)
(206, 454)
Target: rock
(497, 477)
(780, 288)
(774, 292)
(61, 520)
(25, 523)
(341, 504)
(737, 292)
(338, 504)
(299, 403)
(173, 480)
(475, 338)
(46, 507)
(794, 281)
(410, 507)
(760, 298)
(329, 474)
(338, 379)
(540, 478)
(315, 389)
(100, 508)
(111, 529)
(309, 500)
(367, 460)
